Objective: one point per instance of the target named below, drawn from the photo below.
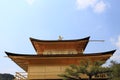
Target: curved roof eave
(19, 59)
(38, 40)
(62, 55)
(86, 39)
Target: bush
(6, 77)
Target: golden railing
(21, 76)
(44, 75)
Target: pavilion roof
(41, 45)
(24, 59)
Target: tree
(71, 73)
(86, 67)
(115, 74)
(6, 77)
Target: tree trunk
(90, 77)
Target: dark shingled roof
(38, 40)
(61, 55)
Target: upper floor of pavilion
(76, 46)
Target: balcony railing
(21, 76)
(44, 75)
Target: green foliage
(6, 77)
(86, 67)
(71, 73)
(115, 74)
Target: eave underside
(24, 60)
(41, 45)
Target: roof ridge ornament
(60, 38)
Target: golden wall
(45, 71)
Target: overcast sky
(47, 19)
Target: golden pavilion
(54, 56)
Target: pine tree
(87, 68)
(115, 67)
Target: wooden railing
(21, 76)
(44, 75)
